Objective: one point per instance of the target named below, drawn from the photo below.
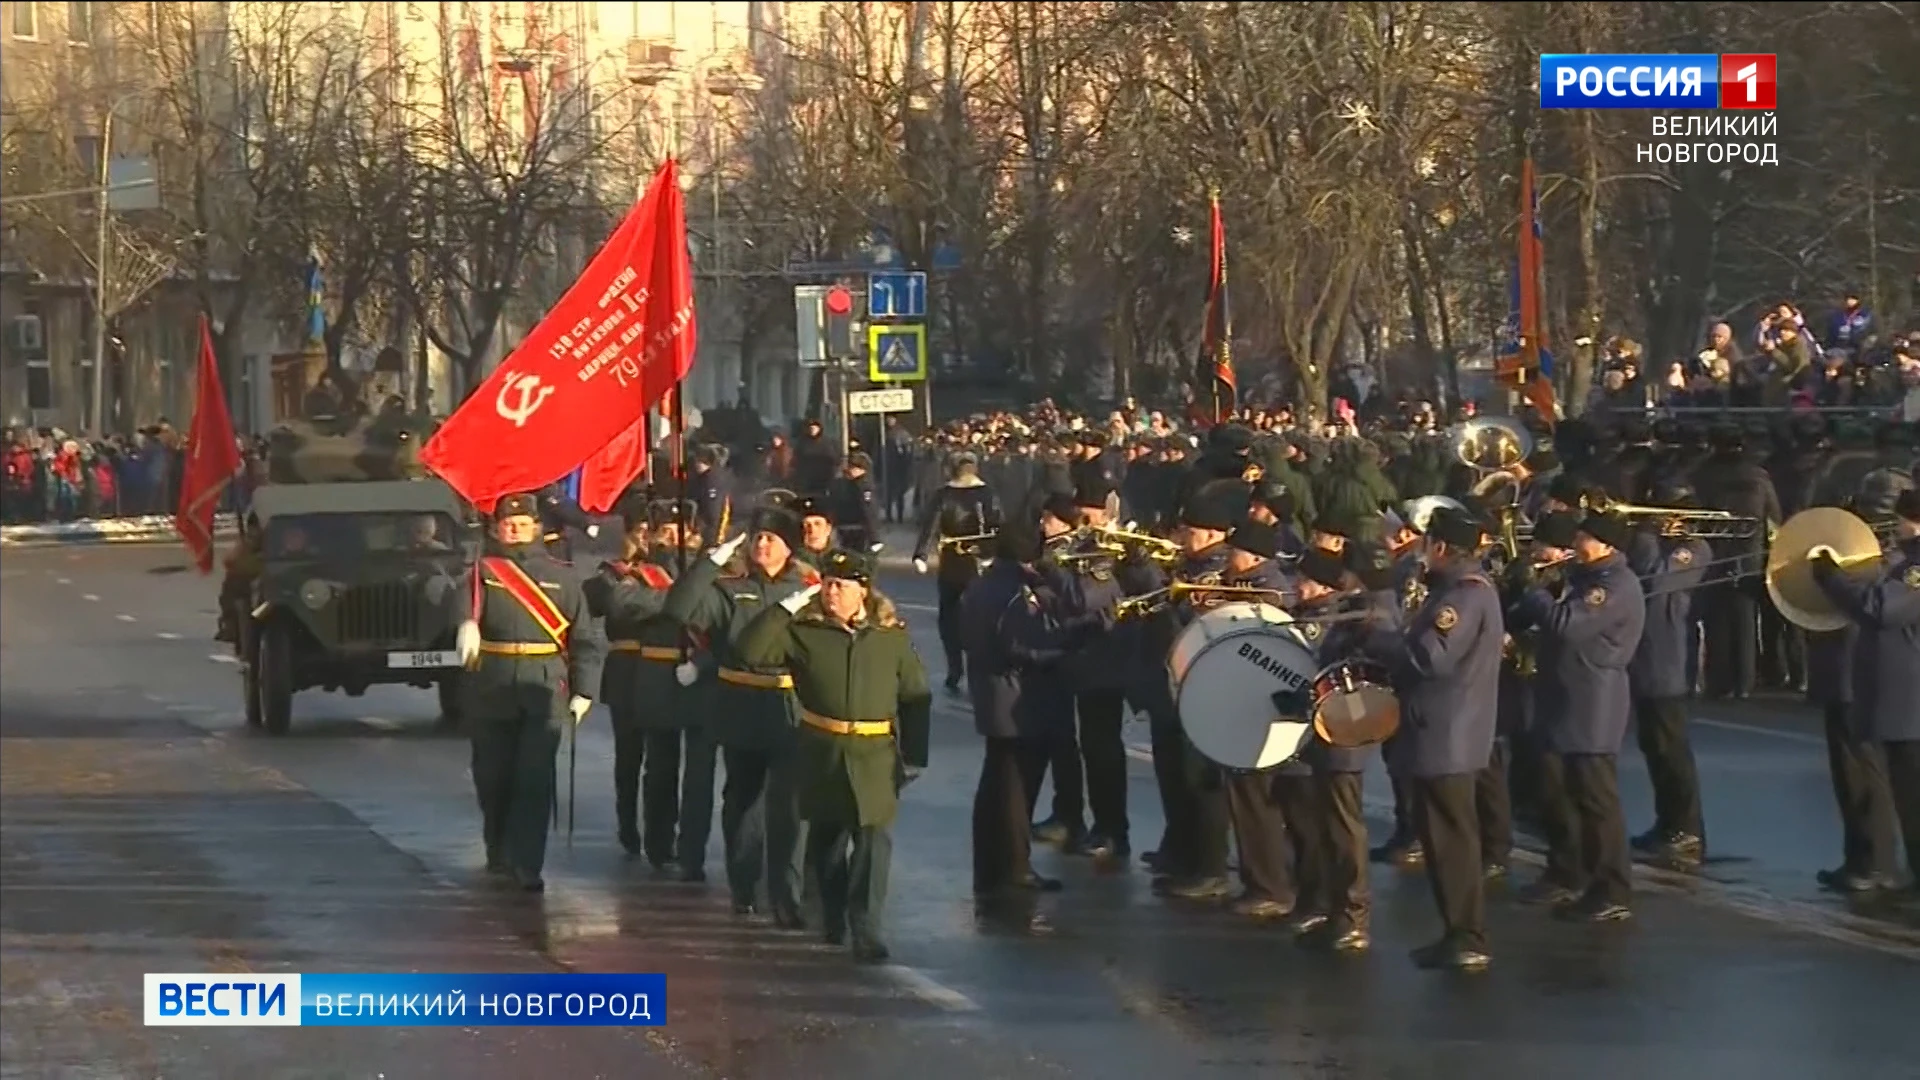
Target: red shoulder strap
(654, 576)
(809, 576)
(528, 595)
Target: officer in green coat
(527, 642)
(642, 686)
(865, 721)
(752, 718)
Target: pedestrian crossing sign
(897, 352)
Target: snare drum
(1353, 704)
(1227, 666)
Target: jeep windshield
(338, 537)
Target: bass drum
(1227, 666)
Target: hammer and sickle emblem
(531, 396)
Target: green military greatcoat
(750, 710)
(861, 674)
(644, 647)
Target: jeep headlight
(315, 594)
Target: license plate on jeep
(446, 658)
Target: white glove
(721, 554)
(686, 674)
(798, 600)
(919, 566)
(593, 532)
(578, 707)
(466, 642)
(875, 549)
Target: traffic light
(843, 330)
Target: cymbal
(1790, 580)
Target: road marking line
(1749, 729)
(909, 606)
(380, 723)
(62, 581)
(181, 708)
(89, 596)
(166, 635)
(223, 658)
(930, 990)
(125, 618)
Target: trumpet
(1123, 542)
(1160, 599)
(966, 545)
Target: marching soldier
(753, 714)
(1672, 564)
(527, 644)
(638, 686)
(1191, 861)
(1265, 808)
(850, 497)
(966, 506)
(1448, 678)
(1587, 638)
(1885, 611)
(865, 723)
(1403, 845)
(675, 545)
(816, 530)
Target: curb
(105, 531)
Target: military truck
(358, 560)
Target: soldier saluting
(753, 714)
(528, 661)
(865, 723)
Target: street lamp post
(97, 420)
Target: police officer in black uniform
(560, 518)
(1447, 675)
(1588, 636)
(816, 530)
(966, 506)
(710, 493)
(851, 499)
(528, 644)
(1672, 565)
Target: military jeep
(358, 585)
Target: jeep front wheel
(272, 671)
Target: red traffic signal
(839, 301)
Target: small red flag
(212, 458)
(585, 377)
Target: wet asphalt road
(144, 829)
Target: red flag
(1216, 343)
(608, 351)
(212, 458)
(1535, 387)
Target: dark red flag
(212, 458)
(1221, 389)
(585, 377)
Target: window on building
(87, 149)
(32, 341)
(26, 20)
(80, 22)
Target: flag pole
(679, 458)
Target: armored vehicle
(356, 585)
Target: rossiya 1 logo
(1658, 81)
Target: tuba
(1419, 512)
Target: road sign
(810, 324)
(897, 353)
(897, 295)
(873, 402)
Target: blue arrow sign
(897, 295)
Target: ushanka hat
(779, 521)
(843, 565)
(519, 504)
(1454, 528)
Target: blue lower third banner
(543, 1000)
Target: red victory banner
(212, 458)
(585, 377)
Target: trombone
(1160, 599)
(1117, 541)
(970, 544)
(1695, 524)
